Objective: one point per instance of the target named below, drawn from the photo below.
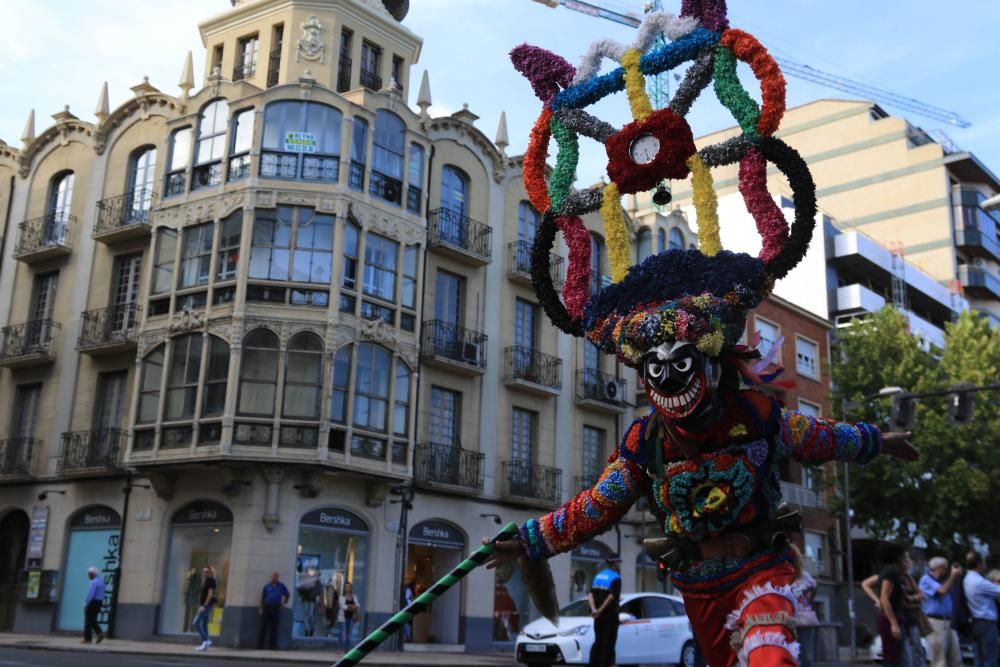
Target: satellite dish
(398, 8)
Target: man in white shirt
(981, 596)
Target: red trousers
(750, 624)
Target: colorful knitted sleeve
(814, 440)
(595, 510)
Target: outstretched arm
(815, 440)
(590, 512)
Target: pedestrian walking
(273, 597)
(888, 594)
(92, 607)
(913, 601)
(936, 585)
(981, 596)
(604, 595)
(206, 602)
(352, 613)
(804, 589)
(407, 599)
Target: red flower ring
(674, 144)
(534, 162)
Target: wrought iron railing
(273, 66)
(239, 167)
(527, 480)
(519, 261)
(17, 456)
(244, 71)
(176, 183)
(208, 175)
(367, 447)
(91, 450)
(530, 365)
(117, 324)
(414, 196)
(356, 175)
(594, 385)
(444, 339)
(49, 231)
(448, 464)
(385, 187)
(453, 228)
(127, 210)
(308, 167)
(370, 79)
(29, 338)
(344, 75)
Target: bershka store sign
(203, 512)
(336, 519)
(96, 518)
(437, 533)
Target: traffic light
(904, 412)
(661, 571)
(960, 405)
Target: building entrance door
(435, 548)
(13, 548)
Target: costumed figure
(708, 454)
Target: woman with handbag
(804, 588)
(916, 622)
(886, 590)
(352, 613)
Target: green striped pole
(401, 618)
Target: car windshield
(576, 609)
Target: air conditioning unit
(610, 392)
(470, 353)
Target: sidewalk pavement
(306, 657)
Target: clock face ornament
(644, 149)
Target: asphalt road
(15, 657)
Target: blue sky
(944, 54)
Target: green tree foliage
(953, 491)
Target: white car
(654, 630)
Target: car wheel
(689, 655)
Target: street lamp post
(113, 613)
(846, 406)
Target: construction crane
(659, 87)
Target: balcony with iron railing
(519, 264)
(245, 71)
(356, 176)
(91, 451)
(978, 282)
(532, 371)
(452, 347)
(802, 496)
(448, 467)
(414, 199)
(28, 344)
(344, 75)
(125, 217)
(385, 187)
(309, 167)
(459, 236)
(44, 238)
(530, 484)
(17, 457)
(370, 80)
(600, 391)
(273, 67)
(109, 330)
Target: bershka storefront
(434, 548)
(94, 541)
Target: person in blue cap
(604, 595)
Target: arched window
(371, 387)
(303, 377)
(387, 157)
(359, 147)
(352, 235)
(216, 377)
(596, 250)
(453, 221)
(527, 222)
(242, 142)
(142, 168)
(644, 243)
(57, 214)
(182, 377)
(341, 385)
(676, 238)
(301, 140)
(211, 146)
(259, 374)
(661, 240)
(149, 390)
(415, 177)
(178, 161)
(401, 410)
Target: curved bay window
(341, 385)
(178, 161)
(303, 377)
(211, 147)
(149, 391)
(301, 141)
(259, 374)
(216, 376)
(388, 141)
(182, 379)
(292, 243)
(242, 142)
(415, 176)
(359, 146)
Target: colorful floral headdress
(701, 296)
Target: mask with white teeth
(681, 383)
